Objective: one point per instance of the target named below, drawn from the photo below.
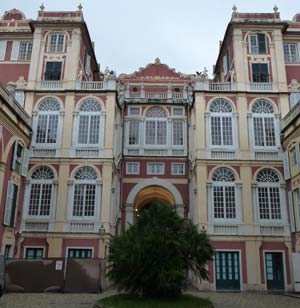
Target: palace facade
(223, 152)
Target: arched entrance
(151, 190)
(152, 194)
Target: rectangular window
(221, 131)
(25, 51)
(133, 132)
(264, 132)
(224, 202)
(269, 203)
(80, 253)
(178, 168)
(89, 129)
(53, 71)
(84, 200)
(133, 168)
(258, 43)
(34, 252)
(260, 72)
(155, 168)
(291, 52)
(10, 204)
(47, 126)
(2, 49)
(40, 199)
(17, 157)
(177, 132)
(134, 111)
(178, 111)
(56, 42)
(156, 132)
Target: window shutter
(291, 210)
(225, 68)
(1, 133)
(15, 51)
(297, 151)
(88, 64)
(25, 163)
(286, 165)
(2, 50)
(261, 43)
(8, 203)
(15, 156)
(13, 205)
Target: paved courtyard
(221, 300)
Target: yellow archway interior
(151, 194)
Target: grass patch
(135, 301)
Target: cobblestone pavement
(220, 300)
(249, 300)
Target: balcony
(206, 85)
(58, 85)
(261, 87)
(154, 152)
(51, 85)
(150, 95)
(43, 152)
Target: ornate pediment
(294, 86)
(14, 14)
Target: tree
(152, 256)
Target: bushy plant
(152, 256)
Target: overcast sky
(129, 34)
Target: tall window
(260, 72)
(224, 194)
(89, 122)
(258, 43)
(25, 50)
(268, 195)
(263, 124)
(56, 42)
(221, 123)
(156, 126)
(41, 192)
(291, 52)
(85, 196)
(47, 121)
(53, 70)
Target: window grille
(25, 51)
(133, 135)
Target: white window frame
(134, 115)
(128, 167)
(162, 172)
(33, 247)
(97, 205)
(182, 115)
(287, 52)
(28, 51)
(276, 122)
(3, 46)
(41, 182)
(36, 116)
(156, 121)
(251, 47)
(282, 200)
(56, 45)
(173, 170)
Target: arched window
(47, 121)
(156, 126)
(268, 195)
(263, 124)
(221, 123)
(89, 123)
(224, 194)
(85, 193)
(41, 192)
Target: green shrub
(153, 256)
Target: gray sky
(129, 34)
